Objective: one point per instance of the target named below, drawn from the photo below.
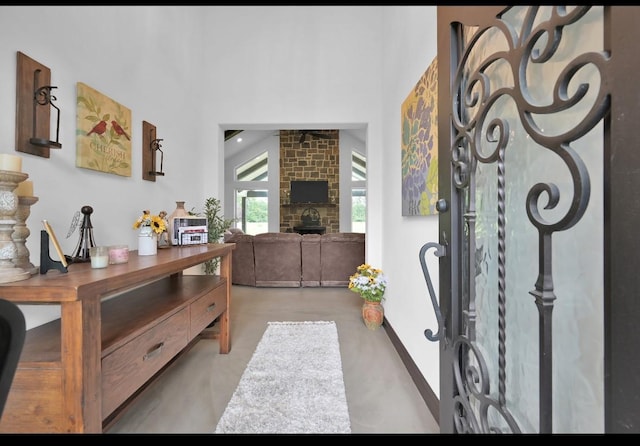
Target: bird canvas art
(103, 133)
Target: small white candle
(25, 189)
(99, 256)
(10, 162)
(99, 261)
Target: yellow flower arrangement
(369, 282)
(156, 222)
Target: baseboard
(429, 397)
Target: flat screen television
(309, 191)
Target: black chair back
(12, 335)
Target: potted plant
(216, 226)
(370, 283)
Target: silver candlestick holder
(9, 271)
(21, 232)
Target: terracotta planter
(372, 314)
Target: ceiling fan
(304, 133)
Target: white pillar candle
(99, 261)
(99, 256)
(10, 162)
(25, 189)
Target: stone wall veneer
(314, 159)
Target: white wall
(409, 48)
(147, 60)
(194, 71)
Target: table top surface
(81, 281)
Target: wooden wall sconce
(150, 147)
(33, 108)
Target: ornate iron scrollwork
(482, 136)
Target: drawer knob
(211, 307)
(155, 351)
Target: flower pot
(372, 314)
(147, 242)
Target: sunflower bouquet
(156, 222)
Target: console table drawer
(206, 308)
(130, 366)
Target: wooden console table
(119, 327)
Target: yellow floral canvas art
(420, 146)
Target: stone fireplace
(314, 158)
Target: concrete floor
(193, 393)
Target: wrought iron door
(529, 147)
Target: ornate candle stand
(21, 232)
(9, 272)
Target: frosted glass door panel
(503, 246)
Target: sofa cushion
(340, 255)
(231, 232)
(310, 250)
(278, 259)
(243, 271)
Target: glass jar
(163, 238)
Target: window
(358, 192)
(251, 205)
(358, 166)
(256, 169)
(252, 211)
(358, 209)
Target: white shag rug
(292, 384)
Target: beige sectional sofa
(285, 259)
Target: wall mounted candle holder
(33, 108)
(150, 148)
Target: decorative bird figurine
(119, 130)
(99, 128)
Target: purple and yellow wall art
(420, 146)
(103, 133)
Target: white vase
(147, 242)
